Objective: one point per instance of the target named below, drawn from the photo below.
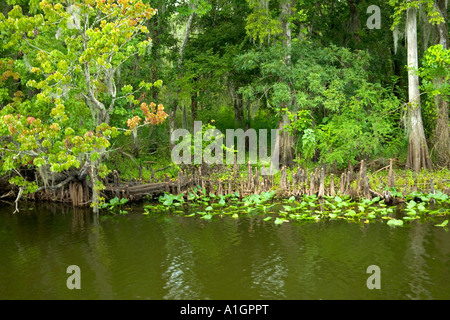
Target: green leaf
(350, 213)
(395, 223)
(411, 212)
(443, 224)
(280, 221)
(411, 204)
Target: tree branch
(17, 200)
(59, 185)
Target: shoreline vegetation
(297, 194)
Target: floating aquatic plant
(169, 199)
(305, 208)
(395, 223)
(115, 205)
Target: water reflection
(97, 254)
(181, 281)
(137, 257)
(415, 260)
(268, 277)
(80, 219)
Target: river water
(134, 256)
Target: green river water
(134, 256)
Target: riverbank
(390, 184)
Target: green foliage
(367, 127)
(402, 6)
(337, 110)
(171, 200)
(395, 223)
(436, 63)
(435, 76)
(302, 209)
(308, 144)
(443, 224)
(438, 197)
(262, 24)
(258, 198)
(209, 141)
(115, 205)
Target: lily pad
(395, 223)
(280, 220)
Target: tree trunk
(137, 65)
(173, 111)
(286, 140)
(286, 143)
(354, 24)
(156, 27)
(248, 120)
(185, 40)
(95, 192)
(418, 155)
(238, 110)
(135, 144)
(442, 142)
(286, 12)
(172, 116)
(442, 136)
(185, 118)
(194, 106)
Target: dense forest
(92, 87)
